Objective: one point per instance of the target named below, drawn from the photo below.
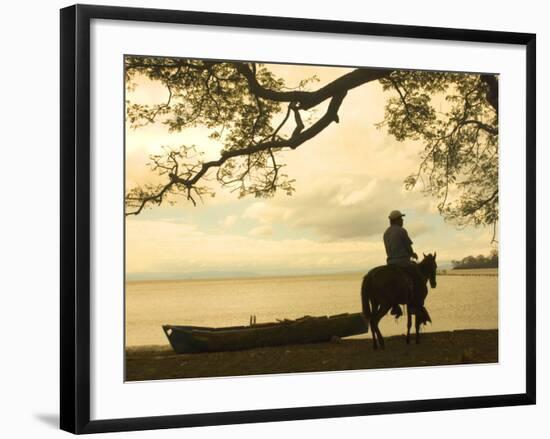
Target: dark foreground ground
(436, 348)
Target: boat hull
(191, 339)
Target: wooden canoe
(189, 339)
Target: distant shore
(468, 272)
(221, 276)
(436, 348)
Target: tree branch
(310, 99)
(489, 129)
(492, 92)
(293, 142)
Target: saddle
(417, 292)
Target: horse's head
(429, 268)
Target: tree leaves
(454, 115)
(449, 113)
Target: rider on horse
(399, 253)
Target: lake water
(458, 302)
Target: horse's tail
(367, 313)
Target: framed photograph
(274, 218)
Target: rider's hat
(394, 214)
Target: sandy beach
(436, 348)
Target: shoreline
(468, 346)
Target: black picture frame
(75, 217)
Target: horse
(388, 286)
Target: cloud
(267, 212)
(266, 230)
(352, 208)
(162, 246)
(229, 221)
(359, 195)
(418, 229)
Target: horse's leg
(374, 324)
(381, 312)
(417, 327)
(409, 324)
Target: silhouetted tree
(479, 261)
(255, 116)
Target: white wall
(30, 204)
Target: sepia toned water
(459, 302)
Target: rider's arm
(408, 245)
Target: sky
(348, 179)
